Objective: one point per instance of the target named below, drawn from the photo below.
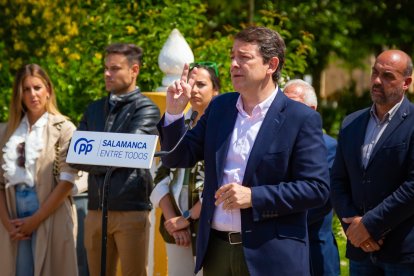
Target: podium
(157, 258)
(112, 150)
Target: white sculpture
(174, 54)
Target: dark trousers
(369, 267)
(324, 256)
(224, 259)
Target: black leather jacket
(129, 188)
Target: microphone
(190, 122)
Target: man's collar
(114, 98)
(263, 106)
(387, 116)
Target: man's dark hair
(132, 52)
(270, 45)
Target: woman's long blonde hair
(17, 108)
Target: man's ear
(135, 69)
(407, 83)
(273, 64)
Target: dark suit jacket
(330, 144)
(383, 193)
(287, 172)
(323, 248)
(316, 215)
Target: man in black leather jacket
(124, 110)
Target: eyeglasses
(21, 160)
(208, 64)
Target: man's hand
(356, 232)
(182, 238)
(176, 223)
(371, 246)
(179, 92)
(234, 196)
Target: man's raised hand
(179, 92)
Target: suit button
(373, 259)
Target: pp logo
(84, 145)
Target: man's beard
(393, 96)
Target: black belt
(230, 237)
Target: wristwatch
(187, 215)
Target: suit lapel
(224, 132)
(270, 128)
(359, 134)
(398, 118)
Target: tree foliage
(67, 38)
(350, 30)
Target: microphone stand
(190, 122)
(105, 192)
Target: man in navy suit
(373, 174)
(265, 164)
(324, 255)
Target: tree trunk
(251, 12)
(316, 79)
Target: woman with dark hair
(178, 191)
(38, 219)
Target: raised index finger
(184, 75)
(192, 77)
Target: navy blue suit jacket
(383, 192)
(316, 215)
(330, 144)
(287, 172)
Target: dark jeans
(369, 267)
